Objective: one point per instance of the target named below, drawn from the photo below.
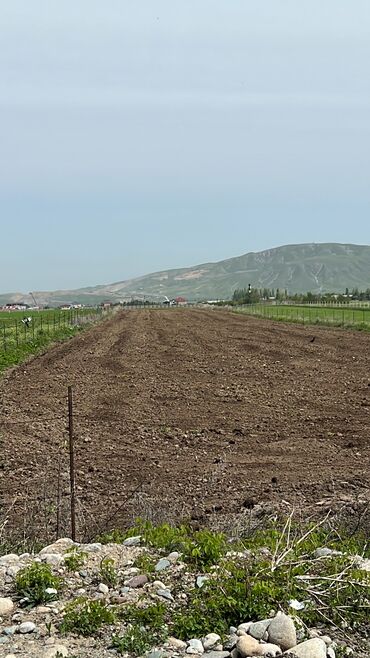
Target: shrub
(146, 628)
(37, 584)
(85, 617)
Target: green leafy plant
(85, 617)
(147, 628)
(37, 584)
(108, 573)
(146, 563)
(205, 549)
(74, 559)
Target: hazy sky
(139, 135)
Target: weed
(146, 563)
(146, 628)
(36, 584)
(205, 549)
(74, 559)
(108, 573)
(85, 617)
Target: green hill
(297, 268)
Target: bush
(146, 628)
(37, 584)
(85, 617)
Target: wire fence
(40, 327)
(339, 316)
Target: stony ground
(36, 632)
(187, 412)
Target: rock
(330, 652)
(54, 559)
(60, 546)
(4, 640)
(52, 652)
(132, 541)
(217, 654)
(13, 570)
(6, 607)
(158, 585)
(137, 581)
(10, 630)
(7, 560)
(281, 631)
(230, 642)
(201, 580)
(93, 548)
(314, 648)
(175, 643)
(245, 627)
(326, 552)
(328, 641)
(42, 610)
(248, 646)
(210, 641)
(165, 594)
(162, 564)
(195, 646)
(259, 628)
(104, 589)
(173, 557)
(270, 650)
(10, 655)
(27, 627)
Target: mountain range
(327, 267)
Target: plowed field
(187, 412)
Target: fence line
(339, 316)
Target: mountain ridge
(319, 267)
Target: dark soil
(187, 412)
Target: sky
(142, 135)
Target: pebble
(201, 580)
(27, 627)
(162, 564)
(195, 646)
(104, 589)
(248, 646)
(157, 653)
(217, 654)
(330, 652)
(6, 607)
(210, 641)
(10, 655)
(282, 631)
(173, 557)
(137, 581)
(10, 630)
(314, 648)
(326, 552)
(4, 639)
(165, 594)
(93, 548)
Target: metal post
(72, 463)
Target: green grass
(337, 316)
(17, 341)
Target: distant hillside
(298, 268)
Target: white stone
(12, 570)
(281, 631)
(104, 589)
(259, 628)
(195, 646)
(210, 641)
(27, 627)
(314, 648)
(6, 607)
(54, 559)
(175, 643)
(7, 560)
(330, 652)
(93, 548)
(60, 546)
